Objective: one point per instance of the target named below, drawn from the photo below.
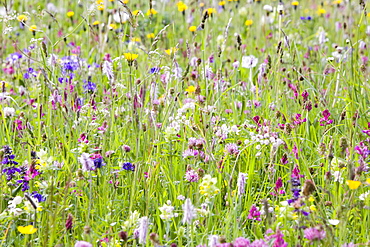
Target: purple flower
(325, 120)
(128, 166)
(191, 176)
(314, 233)
(241, 242)
(232, 148)
(259, 243)
(254, 213)
(241, 183)
(89, 86)
(86, 162)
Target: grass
(187, 104)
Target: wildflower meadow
(204, 123)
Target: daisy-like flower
(181, 6)
(22, 18)
(70, 14)
(192, 29)
(33, 28)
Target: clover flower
(314, 233)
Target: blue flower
(154, 70)
(38, 196)
(89, 86)
(98, 162)
(128, 166)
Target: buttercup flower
(130, 56)
(27, 229)
(353, 184)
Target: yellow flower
(130, 56)
(321, 11)
(295, 3)
(192, 28)
(368, 180)
(210, 11)
(353, 184)
(201, 5)
(95, 23)
(311, 199)
(27, 229)
(151, 12)
(32, 28)
(207, 187)
(135, 39)
(70, 13)
(3, 84)
(99, 2)
(337, 2)
(101, 7)
(135, 12)
(181, 6)
(191, 89)
(368, 14)
(295, 216)
(171, 50)
(313, 208)
(248, 22)
(113, 26)
(150, 36)
(22, 18)
(222, 3)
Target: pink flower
(83, 244)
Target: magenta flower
(241, 242)
(254, 213)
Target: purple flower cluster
(8, 161)
(254, 213)
(314, 233)
(325, 119)
(191, 175)
(195, 149)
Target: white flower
(143, 229)
(167, 211)
(267, 8)
(338, 177)
(364, 196)
(213, 240)
(8, 111)
(86, 162)
(249, 61)
(333, 222)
